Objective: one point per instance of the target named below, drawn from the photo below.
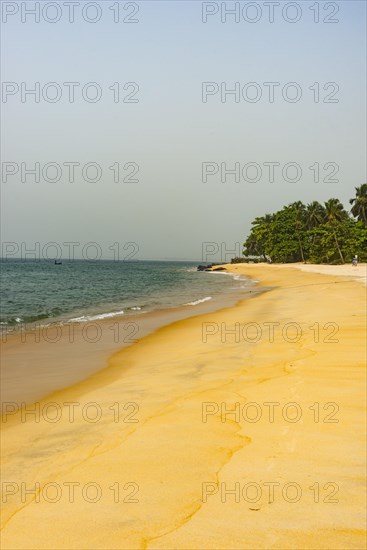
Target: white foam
(85, 318)
(198, 301)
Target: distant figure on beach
(355, 261)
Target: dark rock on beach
(210, 267)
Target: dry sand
(199, 484)
(358, 273)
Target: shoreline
(79, 350)
(164, 451)
(91, 356)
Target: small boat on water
(57, 262)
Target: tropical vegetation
(314, 232)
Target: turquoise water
(82, 290)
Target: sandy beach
(38, 360)
(242, 428)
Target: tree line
(316, 233)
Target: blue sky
(169, 133)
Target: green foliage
(359, 208)
(314, 232)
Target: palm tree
(334, 211)
(334, 215)
(314, 215)
(359, 208)
(300, 210)
(251, 246)
(267, 219)
(260, 232)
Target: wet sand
(38, 360)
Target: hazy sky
(169, 131)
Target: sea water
(82, 290)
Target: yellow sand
(169, 454)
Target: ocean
(85, 290)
